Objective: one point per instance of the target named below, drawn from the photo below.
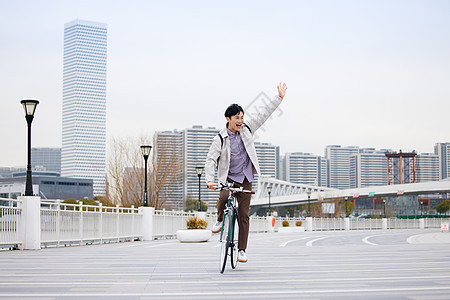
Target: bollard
(31, 223)
(347, 223)
(147, 222)
(270, 223)
(422, 223)
(309, 224)
(385, 224)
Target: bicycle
(230, 228)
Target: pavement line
(309, 244)
(291, 241)
(214, 282)
(232, 293)
(365, 240)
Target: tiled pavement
(391, 264)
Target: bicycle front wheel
(225, 242)
(234, 229)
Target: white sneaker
(242, 257)
(217, 227)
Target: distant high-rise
(306, 168)
(49, 158)
(84, 102)
(368, 168)
(427, 167)
(443, 151)
(169, 156)
(269, 161)
(340, 165)
(197, 141)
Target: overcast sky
(359, 73)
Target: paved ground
(393, 264)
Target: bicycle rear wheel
(225, 242)
(234, 244)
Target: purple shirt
(240, 163)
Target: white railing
(10, 221)
(78, 224)
(67, 224)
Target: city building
(169, 154)
(197, 141)
(339, 158)
(368, 168)
(442, 150)
(306, 168)
(427, 167)
(47, 158)
(48, 187)
(84, 102)
(269, 161)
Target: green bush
(298, 223)
(196, 223)
(285, 223)
(89, 202)
(71, 201)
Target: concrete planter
(193, 235)
(299, 229)
(285, 229)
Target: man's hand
(212, 185)
(282, 90)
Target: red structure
(401, 167)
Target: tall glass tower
(84, 103)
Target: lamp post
(421, 208)
(384, 206)
(269, 190)
(30, 107)
(309, 203)
(346, 211)
(145, 153)
(199, 174)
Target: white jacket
(221, 154)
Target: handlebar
(228, 187)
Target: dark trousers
(243, 208)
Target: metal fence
(67, 224)
(78, 224)
(10, 221)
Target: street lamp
(199, 174)
(346, 211)
(145, 153)
(384, 206)
(421, 208)
(269, 190)
(309, 202)
(30, 107)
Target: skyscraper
(269, 161)
(84, 102)
(443, 151)
(306, 168)
(427, 167)
(340, 165)
(368, 168)
(169, 153)
(49, 158)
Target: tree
(125, 173)
(192, 205)
(443, 207)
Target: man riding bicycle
(233, 153)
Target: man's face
(235, 122)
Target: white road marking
(235, 293)
(291, 241)
(365, 240)
(309, 244)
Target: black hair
(233, 110)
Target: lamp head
(199, 170)
(145, 149)
(29, 106)
(269, 189)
